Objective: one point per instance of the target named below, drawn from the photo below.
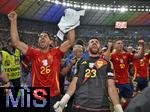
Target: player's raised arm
(69, 42)
(14, 33)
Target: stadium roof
(50, 12)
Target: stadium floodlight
(108, 9)
(123, 9)
(104, 7)
(84, 7)
(89, 7)
(56, 2)
(147, 9)
(130, 9)
(96, 8)
(76, 6)
(100, 8)
(64, 3)
(118, 6)
(118, 9)
(142, 6)
(93, 7)
(114, 9)
(68, 4)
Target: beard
(119, 48)
(94, 51)
(43, 46)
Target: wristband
(65, 99)
(118, 108)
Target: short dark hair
(46, 32)
(49, 35)
(93, 37)
(80, 42)
(118, 39)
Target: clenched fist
(12, 16)
(59, 105)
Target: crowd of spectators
(29, 30)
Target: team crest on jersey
(121, 60)
(100, 63)
(141, 60)
(45, 62)
(117, 59)
(91, 65)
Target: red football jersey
(46, 68)
(140, 67)
(121, 65)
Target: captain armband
(110, 74)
